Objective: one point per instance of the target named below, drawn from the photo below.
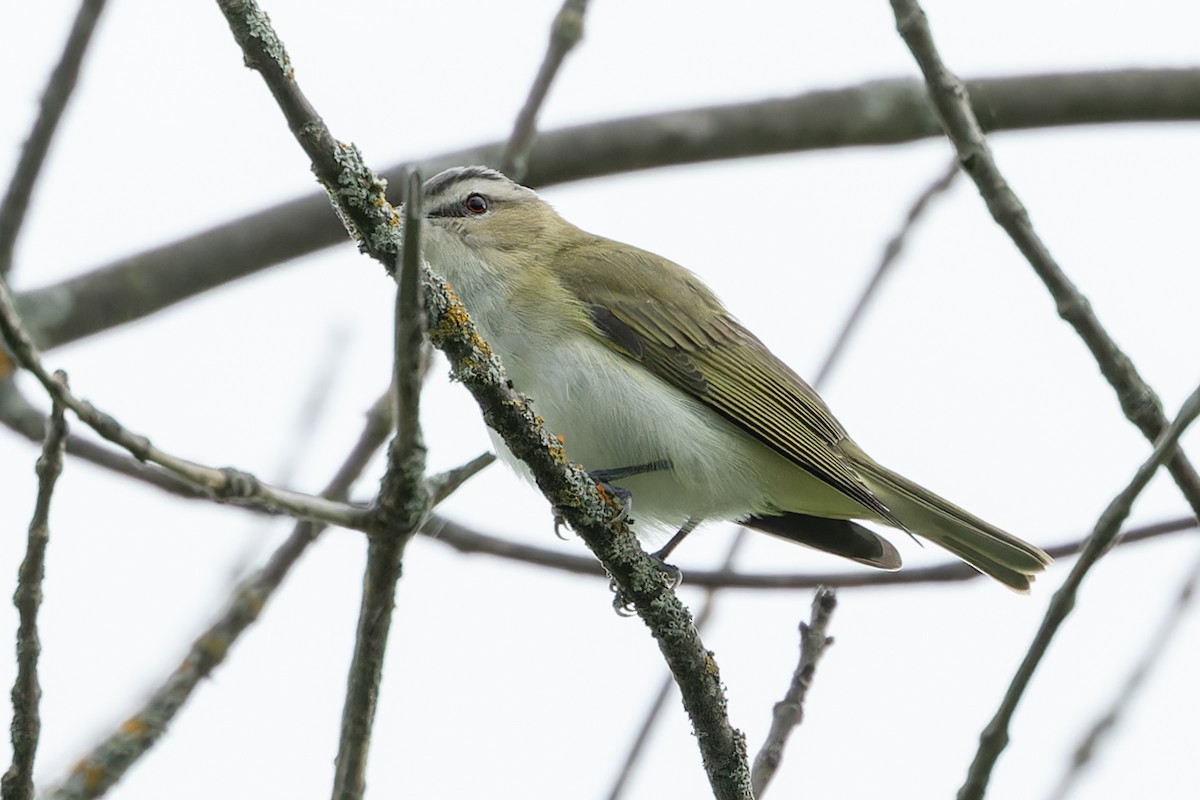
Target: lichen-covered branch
(402, 505)
(592, 514)
(17, 783)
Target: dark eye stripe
(452, 210)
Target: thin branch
(949, 95)
(789, 712)
(593, 515)
(26, 727)
(995, 736)
(54, 101)
(403, 504)
(21, 417)
(356, 192)
(891, 252)
(400, 489)
(446, 483)
(1105, 723)
(100, 769)
(654, 710)
(466, 540)
(566, 32)
(225, 485)
(874, 113)
(322, 378)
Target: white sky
(505, 681)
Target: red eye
(476, 203)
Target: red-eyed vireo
(658, 391)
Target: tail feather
(838, 536)
(990, 550)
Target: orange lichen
(134, 726)
(93, 775)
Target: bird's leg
(606, 475)
(604, 478)
(671, 573)
(661, 554)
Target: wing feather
(664, 318)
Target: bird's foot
(606, 490)
(604, 482)
(618, 495)
(671, 575)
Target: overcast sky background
(963, 378)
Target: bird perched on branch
(662, 395)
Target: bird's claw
(559, 522)
(671, 577)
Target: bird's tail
(990, 550)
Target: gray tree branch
(358, 195)
(17, 783)
(875, 113)
(54, 101)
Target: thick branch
(876, 113)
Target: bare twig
(593, 515)
(949, 95)
(445, 483)
(33, 154)
(222, 485)
(403, 500)
(891, 252)
(17, 783)
(1105, 723)
(466, 540)
(322, 380)
(789, 712)
(23, 418)
(995, 736)
(566, 32)
(108, 761)
(875, 113)
(403, 504)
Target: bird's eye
(476, 203)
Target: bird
(665, 397)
